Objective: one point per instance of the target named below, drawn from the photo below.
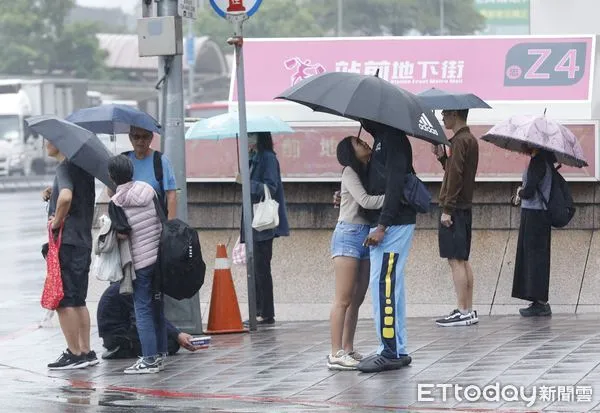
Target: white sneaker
(143, 366)
(474, 318)
(341, 361)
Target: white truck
(23, 152)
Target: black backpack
(559, 207)
(181, 268)
(158, 175)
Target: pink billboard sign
(495, 68)
(309, 154)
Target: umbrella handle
(359, 130)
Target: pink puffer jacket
(137, 200)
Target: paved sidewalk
(282, 369)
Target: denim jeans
(149, 314)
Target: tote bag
(53, 291)
(266, 213)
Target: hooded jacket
(135, 200)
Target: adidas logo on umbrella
(426, 125)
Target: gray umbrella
(438, 99)
(362, 97)
(79, 145)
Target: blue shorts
(347, 241)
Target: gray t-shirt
(78, 223)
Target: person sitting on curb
(117, 328)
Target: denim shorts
(347, 241)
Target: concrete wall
(303, 270)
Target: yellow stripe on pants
(387, 330)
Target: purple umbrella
(521, 132)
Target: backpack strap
(159, 210)
(158, 171)
(539, 191)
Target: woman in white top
(350, 256)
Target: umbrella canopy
(227, 125)
(437, 99)
(362, 97)
(79, 145)
(520, 132)
(113, 119)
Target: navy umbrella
(438, 99)
(361, 97)
(113, 119)
(78, 145)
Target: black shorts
(75, 264)
(455, 241)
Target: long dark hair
(346, 156)
(264, 142)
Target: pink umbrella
(521, 132)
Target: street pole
(340, 18)
(184, 313)
(237, 41)
(442, 17)
(191, 61)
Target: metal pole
(442, 17)
(191, 64)
(147, 8)
(174, 148)
(245, 172)
(340, 18)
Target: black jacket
(390, 162)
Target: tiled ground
(283, 369)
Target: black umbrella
(438, 99)
(79, 145)
(360, 97)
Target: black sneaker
(91, 358)
(69, 361)
(456, 318)
(536, 310)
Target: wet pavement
(282, 368)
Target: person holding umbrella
(389, 114)
(82, 157)
(455, 199)
(531, 279)
(546, 142)
(71, 206)
(390, 239)
(456, 195)
(149, 166)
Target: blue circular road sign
(225, 7)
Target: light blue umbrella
(227, 126)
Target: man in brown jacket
(456, 197)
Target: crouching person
(118, 331)
(133, 214)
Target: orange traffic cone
(224, 314)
